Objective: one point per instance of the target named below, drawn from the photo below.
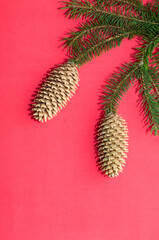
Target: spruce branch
(125, 6)
(150, 46)
(154, 83)
(149, 106)
(84, 29)
(95, 45)
(147, 12)
(145, 50)
(151, 11)
(77, 9)
(155, 4)
(134, 3)
(107, 23)
(117, 85)
(155, 59)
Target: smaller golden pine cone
(54, 93)
(112, 145)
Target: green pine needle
(96, 45)
(106, 19)
(149, 99)
(105, 24)
(117, 85)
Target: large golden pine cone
(56, 90)
(112, 144)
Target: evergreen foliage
(148, 88)
(105, 24)
(119, 83)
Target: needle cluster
(105, 23)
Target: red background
(49, 184)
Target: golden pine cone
(112, 144)
(56, 90)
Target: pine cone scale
(59, 86)
(111, 145)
